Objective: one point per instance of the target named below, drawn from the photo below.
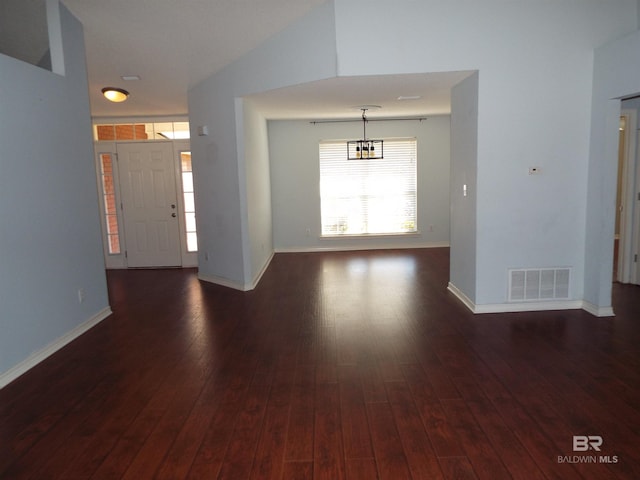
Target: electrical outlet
(308, 232)
(431, 228)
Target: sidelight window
(109, 203)
(189, 202)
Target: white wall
(50, 243)
(303, 52)
(254, 161)
(535, 63)
(616, 74)
(295, 182)
(463, 187)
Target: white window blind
(366, 196)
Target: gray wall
(50, 242)
(295, 181)
(535, 64)
(254, 161)
(303, 52)
(616, 74)
(464, 186)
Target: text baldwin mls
(583, 443)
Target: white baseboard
(223, 282)
(37, 357)
(598, 311)
(235, 285)
(257, 278)
(352, 248)
(530, 306)
(462, 297)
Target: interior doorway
(627, 226)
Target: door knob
(173, 215)
(173, 205)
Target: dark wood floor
(339, 365)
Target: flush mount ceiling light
(115, 94)
(365, 148)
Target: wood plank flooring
(357, 365)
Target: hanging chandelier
(365, 148)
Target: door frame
(189, 259)
(119, 261)
(628, 241)
(111, 260)
(635, 229)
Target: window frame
(393, 148)
(185, 231)
(105, 211)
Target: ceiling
(174, 44)
(408, 95)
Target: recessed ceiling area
(341, 97)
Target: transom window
(141, 131)
(361, 197)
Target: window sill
(372, 235)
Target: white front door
(149, 204)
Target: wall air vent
(539, 284)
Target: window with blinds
(360, 197)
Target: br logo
(582, 443)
